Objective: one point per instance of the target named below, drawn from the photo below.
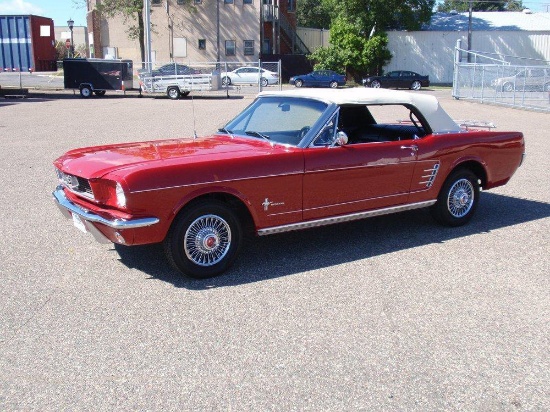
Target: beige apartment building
(189, 31)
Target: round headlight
(120, 196)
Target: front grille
(76, 184)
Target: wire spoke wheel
(461, 198)
(457, 199)
(207, 240)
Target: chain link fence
(491, 79)
(210, 78)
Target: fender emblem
(267, 203)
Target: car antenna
(194, 119)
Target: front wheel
(458, 199)
(375, 84)
(333, 84)
(204, 239)
(416, 85)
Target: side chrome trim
(118, 224)
(344, 218)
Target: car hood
(96, 162)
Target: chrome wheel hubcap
(461, 198)
(207, 240)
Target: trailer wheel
(99, 93)
(86, 91)
(173, 93)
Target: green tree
(357, 32)
(351, 51)
(313, 13)
(132, 13)
(464, 5)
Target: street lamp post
(70, 23)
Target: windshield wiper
(257, 134)
(224, 130)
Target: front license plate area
(78, 223)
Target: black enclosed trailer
(98, 75)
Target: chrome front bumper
(68, 208)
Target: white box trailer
(176, 86)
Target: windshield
(282, 120)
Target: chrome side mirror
(341, 138)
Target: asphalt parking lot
(391, 313)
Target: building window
(247, 1)
(230, 47)
(181, 2)
(197, 1)
(155, 2)
(228, 1)
(202, 44)
(291, 5)
(266, 47)
(248, 47)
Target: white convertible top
(428, 105)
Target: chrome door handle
(413, 147)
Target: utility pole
(470, 7)
(148, 53)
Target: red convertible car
(291, 160)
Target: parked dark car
(170, 69)
(319, 78)
(399, 79)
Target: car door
(252, 75)
(312, 79)
(241, 76)
(393, 79)
(357, 177)
(405, 80)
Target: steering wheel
(303, 131)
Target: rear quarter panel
(499, 153)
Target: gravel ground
(388, 314)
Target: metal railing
(272, 13)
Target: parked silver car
(249, 75)
(532, 79)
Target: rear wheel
(85, 91)
(416, 85)
(298, 83)
(263, 82)
(226, 81)
(375, 84)
(458, 199)
(173, 93)
(204, 239)
(333, 84)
